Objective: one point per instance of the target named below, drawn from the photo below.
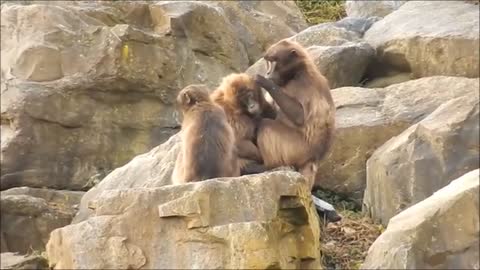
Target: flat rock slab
(251, 222)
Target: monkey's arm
(290, 106)
(246, 149)
(269, 112)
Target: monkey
(244, 105)
(207, 140)
(302, 132)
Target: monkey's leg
(281, 145)
(248, 166)
(309, 171)
(248, 150)
(178, 171)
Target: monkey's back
(209, 149)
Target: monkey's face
(284, 61)
(248, 99)
(191, 95)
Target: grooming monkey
(244, 105)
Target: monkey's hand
(292, 108)
(266, 83)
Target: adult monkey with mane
(244, 105)
(302, 133)
(208, 143)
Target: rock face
(441, 232)
(366, 9)
(93, 86)
(428, 38)
(260, 221)
(30, 214)
(424, 158)
(366, 118)
(12, 261)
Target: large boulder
(440, 232)
(30, 214)
(366, 9)
(368, 117)
(94, 85)
(428, 38)
(424, 158)
(342, 65)
(263, 221)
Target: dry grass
(320, 11)
(345, 244)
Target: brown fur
(243, 113)
(208, 142)
(283, 142)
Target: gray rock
(366, 9)
(342, 65)
(357, 25)
(428, 38)
(424, 158)
(440, 232)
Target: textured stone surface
(424, 158)
(428, 38)
(368, 117)
(252, 222)
(366, 9)
(440, 232)
(30, 214)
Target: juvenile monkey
(208, 142)
(302, 133)
(244, 105)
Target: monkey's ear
(186, 98)
(293, 52)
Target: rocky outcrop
(428, 38)
(424, 158)
(440, 232)
(93, 86)
(11, 261)
(366, 9)
(262, 221)
(366, 118)
(30, 214)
